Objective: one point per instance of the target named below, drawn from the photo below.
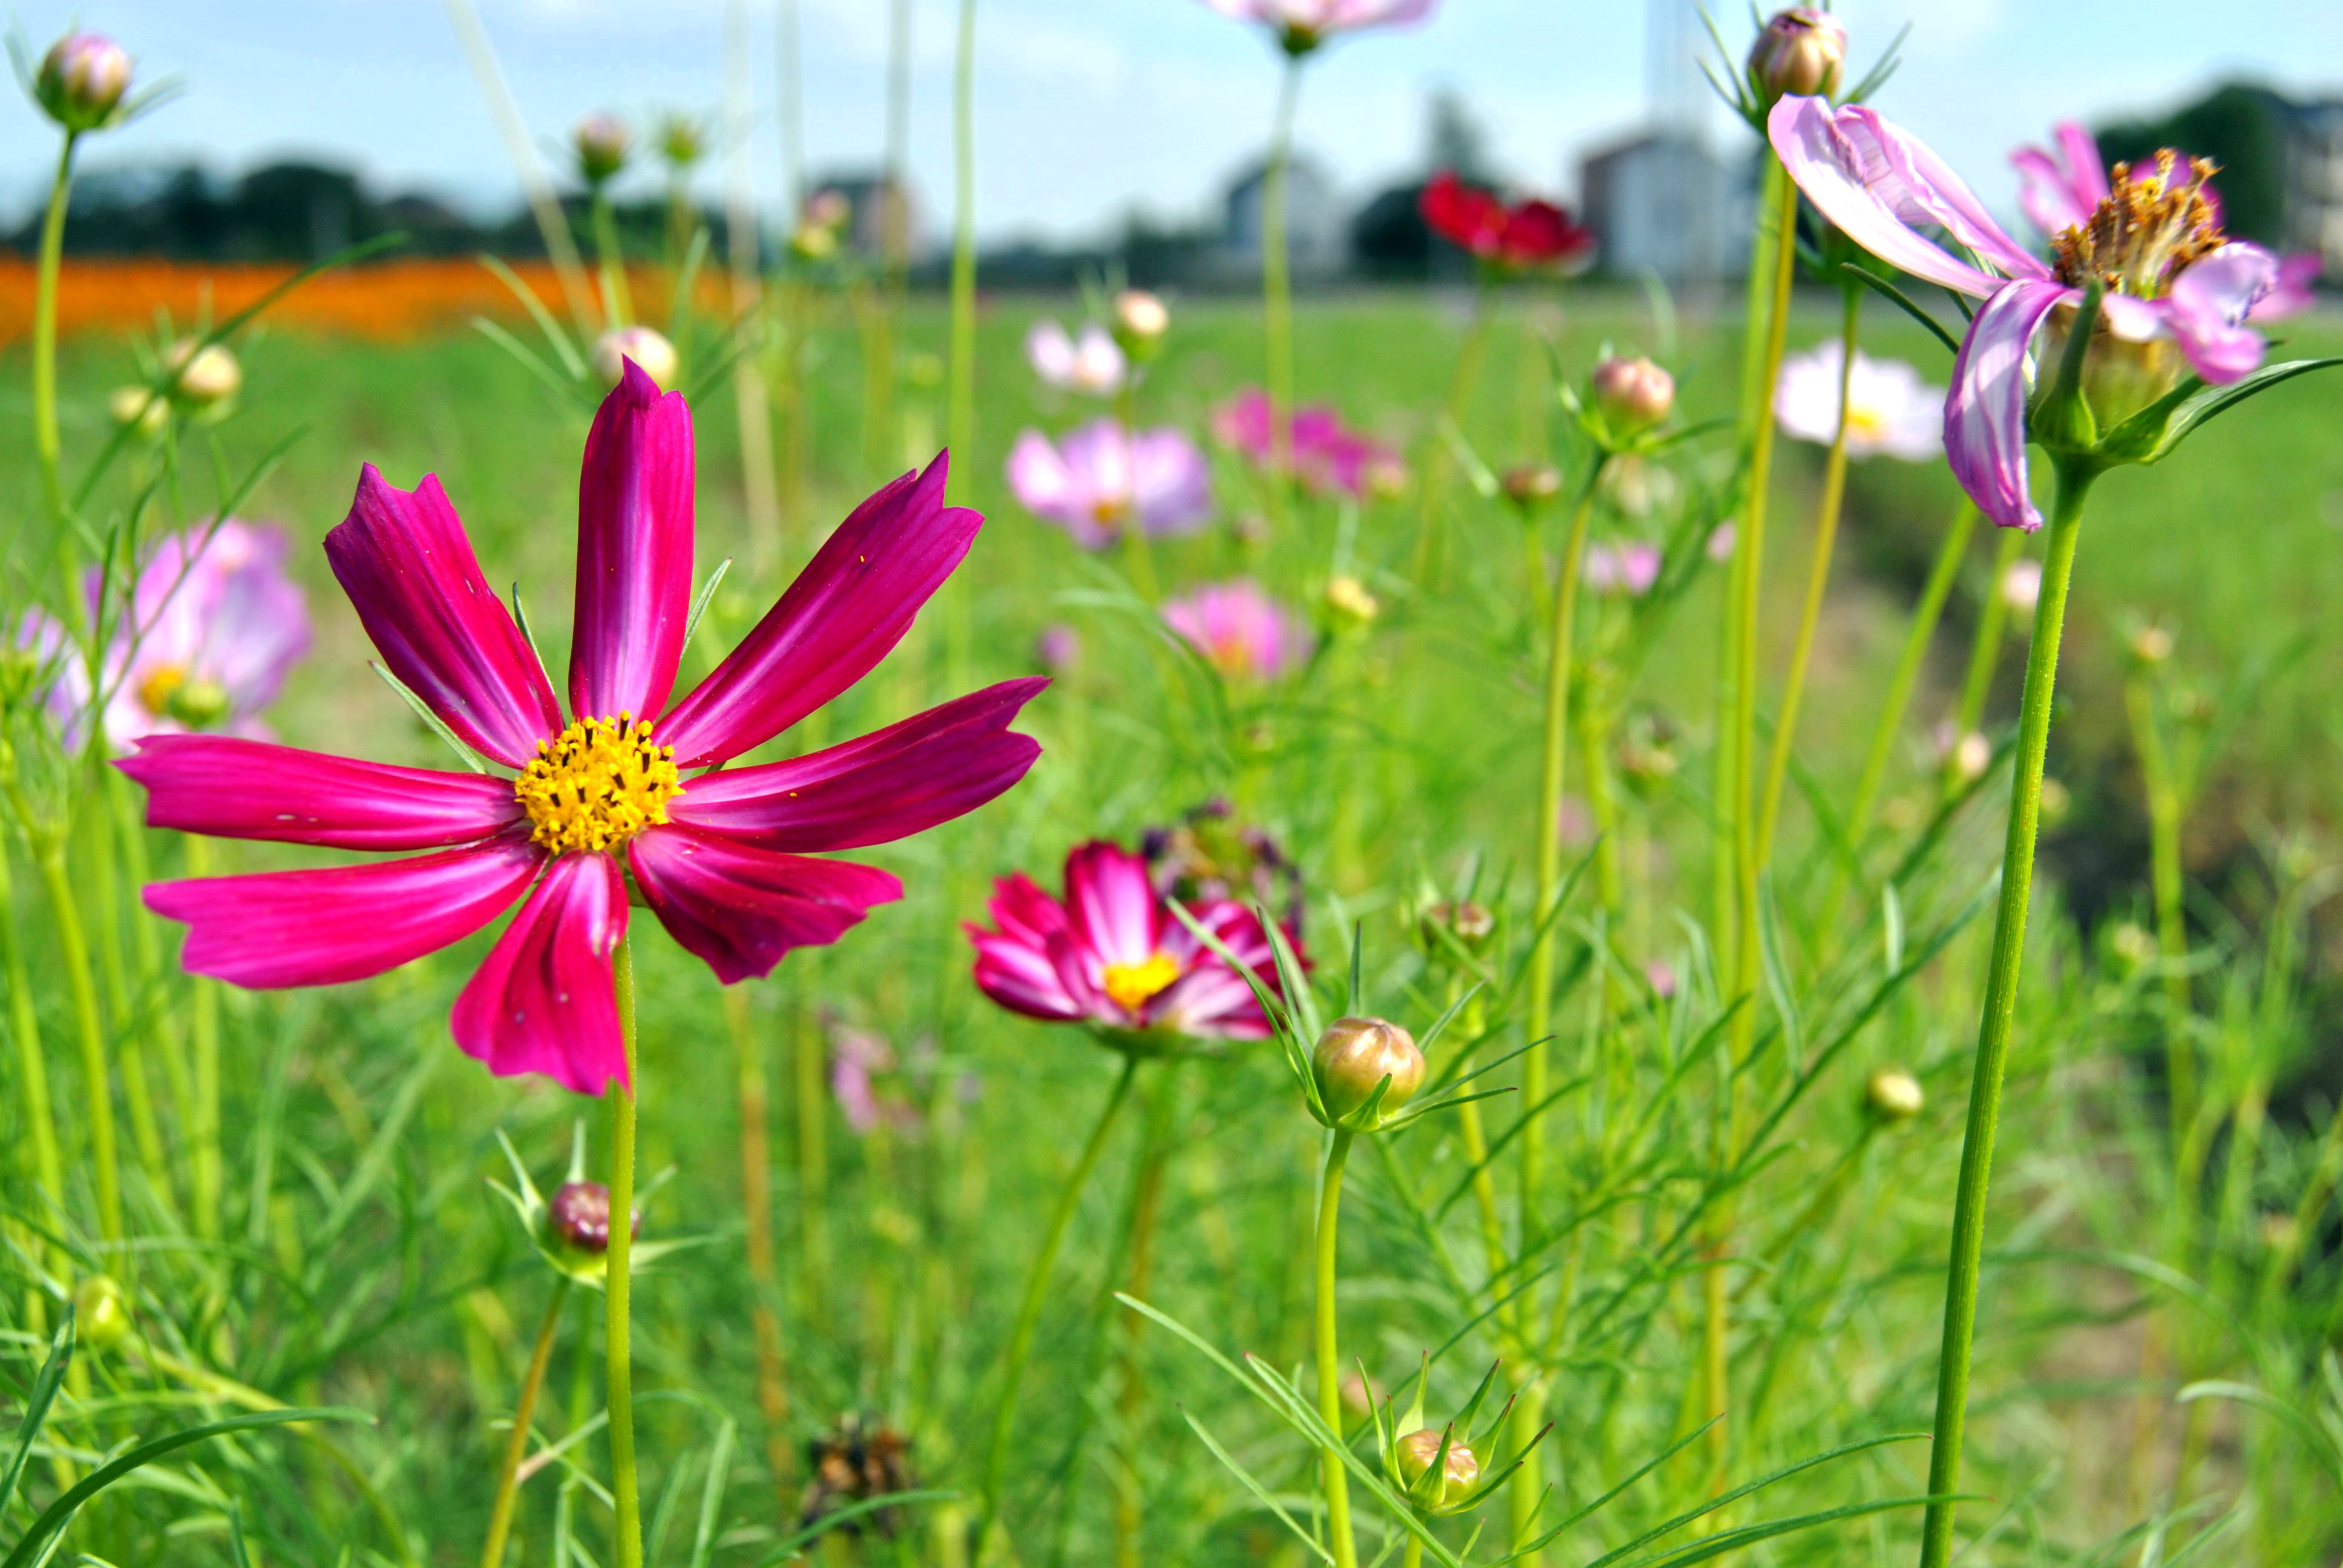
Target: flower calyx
(1439, 1470)
(572, 1231)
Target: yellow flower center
(1865, 420)
(2148, 229)
(1132, 985)
(155, 692)
(596, 785)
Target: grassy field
(370, 1264)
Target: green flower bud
(81, 81)
(1139, 323)
(601, 142)
(1349, 605)
(1633, 394)
(101, 1312)
(682, 141)
(209, 376)
(645, 345)
(1531, 485)
(1355, 1055)
(133, 405)
(1892, 1096)
(1459, 1474)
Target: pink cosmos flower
(1241, 630)
(1302, 26)
(1888, 408)
(1327, 455)
(1091, 362)
(1099, 478)
(600, 806)
(1630, 567)
(1112, 955)
(2170, 275)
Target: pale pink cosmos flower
(1301, 26)
(1241, 630)
(1099, 478)
(1889, 410)
(1630, 567)
(1091, 363)
(1326, 454)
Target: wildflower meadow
(1537, 921)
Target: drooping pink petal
(2291, 291)
(2086, 170)
(1923, 187)
(849, 607)
(742, 909)
(2044, 192)
(634, 551)
(900, 781)
(542, 1000)
(1985, 418)
(1832, 171)
(2209, 305)
(403, 558)
(274, 929)
(233, 789)
(1111, 905)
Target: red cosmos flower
(1528, 234)
(723, 859)
(1112, 955)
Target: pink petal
(849, 607)
(542, 1000)
(1830, 170)
(233, 789)
(1023, 911)
(279, 928)
(1924, 188)
(903, 780)
(634, 551)
(1985, 418)
(2290, 292)
(2044, 192)
(1111, 905)
(2209, 305)
(403, 558)
(2086, 171)
(742, 909)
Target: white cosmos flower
(1889, 409)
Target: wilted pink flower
(1091, 362)
(1327, 455)
(1240, 631)
(213, 628)
(1888, 408)
(1098, 478)
(600, 809)
(1630, 567)
(1112, 955)
(1301, 26)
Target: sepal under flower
(1446, 1469)
(564, 1248)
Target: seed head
(1801, 51)
(1356, 1054)
(1892, 1096)
(82, 79)
(1634, 394)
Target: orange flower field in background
(384, 301)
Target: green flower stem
(2166, 808)
(1601, 805)
(2000, 1006)
(32, 1067)
(1826, 514)
(1155, 1149)
(1277, 283)
(959, 423)
(617, 1285)
(1329, 1359)
(89, 1030)
(1029, 1306)
(1925, 617)
(203, 1032)
(1412, 1554)
(532, 1382)
(618, 305)
(46, 446)
(811, 1102)
(1985, 653)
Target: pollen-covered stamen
(596, 785)
(1133, 986)
(2146, 231)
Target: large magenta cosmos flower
(1112, 955)
(725, 860)
(2171, 277)
(1512, 237)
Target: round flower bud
(1139, 323)
(1417, 1452)
(645, 345)
(1634, 394)
(208, 376)
(1468, 922)
(682, 142)
(580, 1218)
(1532, 484)
(197, 703)
(601, 141)
(1661, 976)
(101, 1312)
(1356, 1054)
(1349, 604)
(1802, 51)
(2151, 644)
(82, 79)
(1963, 756)
(133, 405)
(1891, 1095)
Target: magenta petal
(403, 558)
(634, 551)
(1924, 188)
(542, 1000)
(1111, 905)
(742, 909)
(849, 607)
(1837, 177)
(1985, 418)
(2086, 171)
(233, 789)
(903, 780)
(2290, 292)
(279, 928)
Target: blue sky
(1088, 107)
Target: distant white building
(1662, 202)
(2314, 185)
(1316, 239)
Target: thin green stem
(89, 1028)
(960, 423)
(203, 1032)
(1826, 514)
(32, 1064)
(1412, 1554)
(1146, 1203)
(1029, 1305)
(618, 1283)
(1337, 1478)
(1276, 280)
(2000, 1007)
(500, 1515)
(46, 446)
(1925, 617)
(618, 304)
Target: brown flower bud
(1356, 1054)
(1459, 1473)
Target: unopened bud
(1801, 51)
(140, 408)
(207, 376)
(682, 143)
(101, 1312)
(1661, 976)
(198, 703)
(2151, 644)
(82, 79)
(814, 242)
(580, 1218)
(1532, 484)
(1468, 922)
(1419, 1449)
(601, 141)
(1349, 604)
(1891, 1095)
(1355, 1055)
(1139, 323)
(1634, 394)
(646, 346)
